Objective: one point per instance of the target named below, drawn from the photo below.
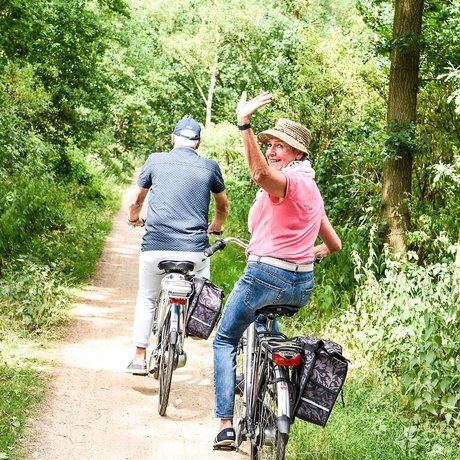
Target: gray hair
(180, 141)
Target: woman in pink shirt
(284, 223)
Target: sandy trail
(96, 411)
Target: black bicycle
(266, 381)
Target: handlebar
(221, 243)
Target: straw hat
(294, 134)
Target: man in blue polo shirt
(180, 184)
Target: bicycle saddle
(279, 310)
(176, 266)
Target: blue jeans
(260, 285)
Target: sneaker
(137, 367)
(225, 439)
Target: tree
(401, 115)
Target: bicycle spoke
(269, 443)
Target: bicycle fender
(283, 423)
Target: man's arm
(331, 241)
(221, 207)
(136, 205)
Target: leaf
(444, 384)
(417, 403)
(427, 396)
(431, 409)
(406, 381)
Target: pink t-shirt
(287, 230)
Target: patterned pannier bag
(322, 374)
(204, 308)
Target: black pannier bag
(322, 374)
(204, 308)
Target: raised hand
(246, 108)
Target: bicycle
(266, 381)
(169, 323)
(168, 352)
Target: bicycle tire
(155, 356)
(269, 443)
(166, 367)
(240, 404)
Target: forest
(89, 88)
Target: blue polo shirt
(180, 184)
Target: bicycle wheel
(156, 352)
(269, 443)
(166, 367)
(240, 403)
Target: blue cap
(188, 128)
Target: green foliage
(370, 426)
(21, 388)
(223, 142)
(86, 87)
(33, 295)
(435, 220)
(408, 320)
(400, 138)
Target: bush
(409, 321)
(34, 295)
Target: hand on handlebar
(140, 222)
(321, 251)
(215, 229)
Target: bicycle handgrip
(217, 246)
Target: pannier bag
(322, 374)
(204, 308)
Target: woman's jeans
(150, 277)
(260, 285)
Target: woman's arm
(331, 241)
(271, 180)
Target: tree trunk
(402, 103)
(212, 83)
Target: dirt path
(95, 411)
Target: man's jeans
(150, 284)
(260, 285)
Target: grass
(227, 266)
(23, 385)
(365, 428)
